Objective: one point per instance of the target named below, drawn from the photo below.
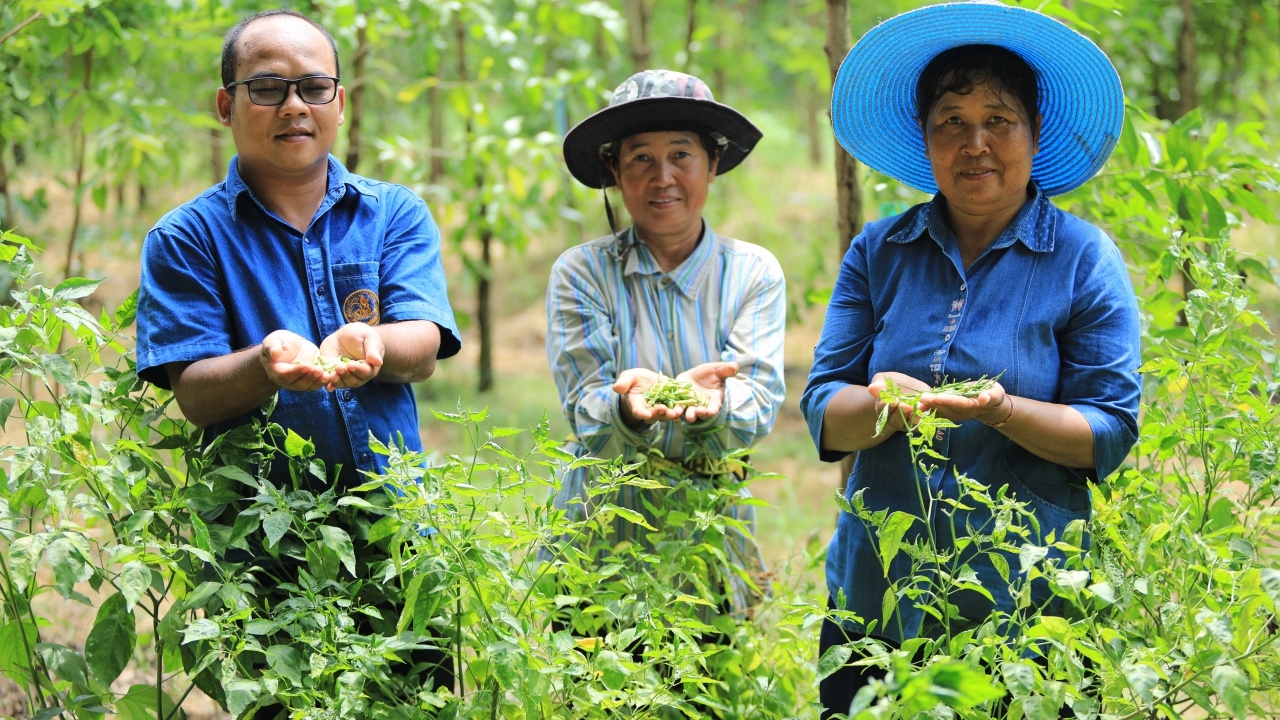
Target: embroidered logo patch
(361, 306)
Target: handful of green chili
(894, 394)
(671, 393)
(329, 364)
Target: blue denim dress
(1049, 304)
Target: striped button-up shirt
(610, 307)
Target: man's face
(292, 138)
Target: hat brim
(582, 143)
(873, 98)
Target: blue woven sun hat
(873, 98)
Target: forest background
(106, 123)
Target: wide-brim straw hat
(657, 101)
(873, 98)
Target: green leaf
(1019, 678)
(241, 695)
(128, 311)
(14, 661)
(832, 660)
(627, 514)
(134, 579)
(202, 629)
(891, 536)
(1143, 679)
(297, 446)
(203, 592)
(6, 408)
(1232, 686)
(276, 525)
(338, 539)
(286, 661)
(140, 703)
(1271, 584)
(75, 288)
(65, 662)
(961, 685)
(111, 641)
(1029, 555)
(614, 672)
(200, 533)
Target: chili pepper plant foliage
(107, 499)
(1170, 593)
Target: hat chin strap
(608, 211)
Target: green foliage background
(105, 120)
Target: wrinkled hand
(632, 385)
(902, 415)
(990, 406)
(289, 360)
(708, 379)
(362, 346)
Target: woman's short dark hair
(960, 69)
(229, 49)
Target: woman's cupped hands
(707, 380)
(915, 396)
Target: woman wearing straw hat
(994, 109)
(667, 296)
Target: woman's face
(664, 177)
(980, 146)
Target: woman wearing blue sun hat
(993, 109)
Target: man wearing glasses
(296, 277)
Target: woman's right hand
(902, 414)
(631, 385)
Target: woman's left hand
(990, 407)
(708, 379)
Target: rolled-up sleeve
(1100, 355)
(843, 353)
(581, 348)
(755, 342)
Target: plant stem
(34, 17)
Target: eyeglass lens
(273, 91)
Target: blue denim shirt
(1049, 304)
(222, 272)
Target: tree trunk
(484, 312)
(355, 99)
(848, 191)
(80, 161)
(216, 163)
(436, 132)
(6, 222)
(637, 12)
(688, 35)
(813, 108)
(1187, 65)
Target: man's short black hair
(233, 38)
(960, 69)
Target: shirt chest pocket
(356, 288)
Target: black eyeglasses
(269, 91)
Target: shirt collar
(340, 179)
(1033, 226)
(638, 260)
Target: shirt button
(365, 457)
(963, 287)
(344, 394)
(320, 291)
(671, 336)
(306, 239)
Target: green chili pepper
(673, 393)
